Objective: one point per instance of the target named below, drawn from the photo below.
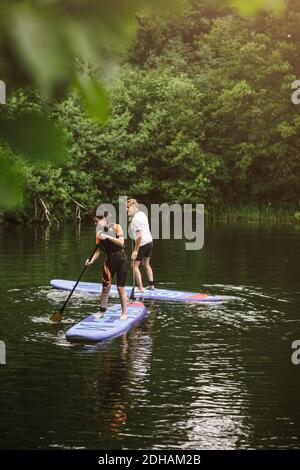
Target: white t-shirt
(140, 222)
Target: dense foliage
(200, 111)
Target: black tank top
(109, 247)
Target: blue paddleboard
(157, 294)
(99, 329)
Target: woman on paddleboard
(110, 239)
(143, 244)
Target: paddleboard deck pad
(157, 294)
(108, 326)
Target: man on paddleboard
(143, 244)
(110, 239)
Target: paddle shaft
(82, 273)
(133, 278)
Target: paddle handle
(82, 273)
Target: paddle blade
(56, 317)
(132, 295)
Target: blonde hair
(132, 202)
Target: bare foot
(123, 316)
(138, 289)
(99, 315)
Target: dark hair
(102, 216)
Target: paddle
(57, 316)
(132, 297)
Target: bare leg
(148, 269)
(137, 274)
(123, 298)
(103, 300)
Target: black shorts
(145, 251)
(115, 262)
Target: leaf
(94, 96)
(39, 40)
(34, 136)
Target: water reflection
(217, 415)
(122, 375)
(108, 389)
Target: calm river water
(187, 377)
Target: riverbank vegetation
(200, 112)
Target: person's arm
(137, 244)
(96, 256)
